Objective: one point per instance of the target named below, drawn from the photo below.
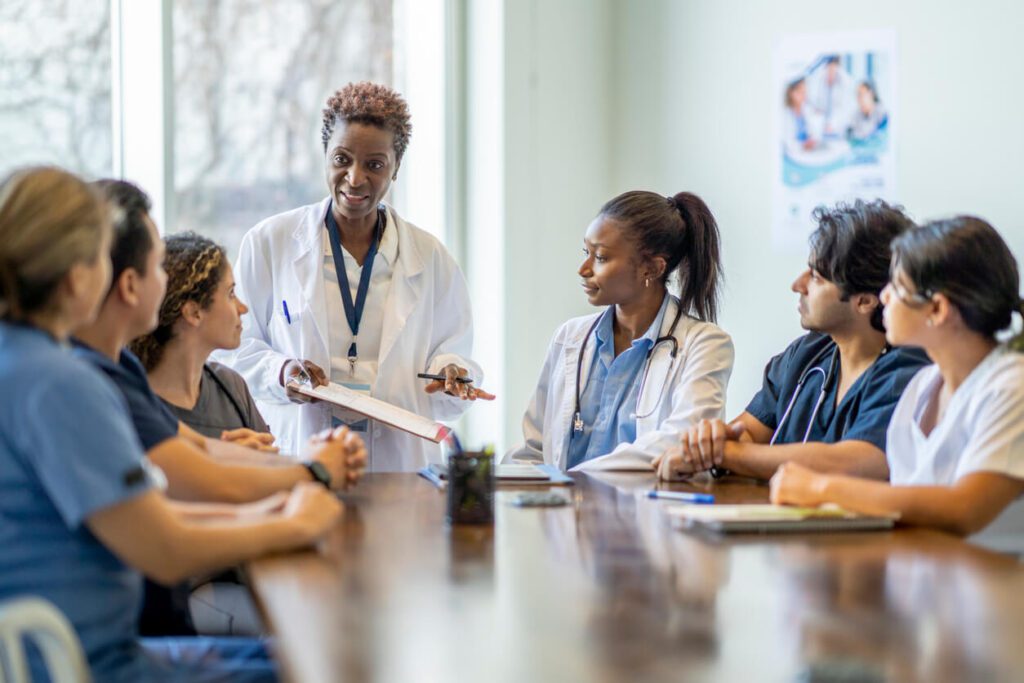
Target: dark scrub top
(165, 610)
(864, 411)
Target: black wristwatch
(319, 473)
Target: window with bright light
(250, 80)
(55, 84)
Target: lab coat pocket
(286, 333)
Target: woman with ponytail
(955, 444)
(620, 385)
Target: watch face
(320, 473)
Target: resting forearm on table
(962, 509)
(149, 535)
(853, 457)
(227, 452)
(193, 475)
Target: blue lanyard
(353, 311)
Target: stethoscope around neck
(670, 338)
(827, 378)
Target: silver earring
(647, 282)
(929, 322)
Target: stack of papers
(773, 519)
(511, 474)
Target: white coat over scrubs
(695, 390)
(427, 325)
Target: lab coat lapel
(406, 289)
(307, 267)
(567, 410)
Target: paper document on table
(374, 408)
(773, 518)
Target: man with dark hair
(827, 399)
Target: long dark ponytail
(682, 230)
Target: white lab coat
(697, 380)
(427, 324)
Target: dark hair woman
(619, 386)
(200, 314)
(955, 443)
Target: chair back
(35, 619)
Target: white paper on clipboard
(374, 408)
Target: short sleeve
(83, 448)
(764, 405)
(996, 441)
(880, 396)
(153, 420)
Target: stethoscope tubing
(668, 338)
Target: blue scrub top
(864, 411)
(67, 450)
(153, 421)
(608, 401)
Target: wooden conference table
(605, 590)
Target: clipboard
(375, 409)
(770, 519)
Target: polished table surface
(605, 590)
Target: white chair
(35, 619)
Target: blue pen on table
(287, 316)
(699, 498)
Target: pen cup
(471, 488)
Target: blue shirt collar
(604, 334)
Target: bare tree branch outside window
(250, 80)
(55, 81)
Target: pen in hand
(442, 378)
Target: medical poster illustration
(835, 126)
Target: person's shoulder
(702, 331)
(911, 358)
(283, 224)
(426, 243)
(73, 377)
(229, 377)
(1007, 370)
(574, 329)
(805, 348)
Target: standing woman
(619, 386)
(955, 443)
(200, 314)
(349, 292)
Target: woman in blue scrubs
(83, 514)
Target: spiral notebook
(770, 519)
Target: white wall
(539, 126)
(574, 101)
(693, 107)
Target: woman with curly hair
(200, 313)
(347, 291)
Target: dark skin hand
(450, 386)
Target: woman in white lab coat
(619, 386)
(402, 307)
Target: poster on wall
(835, 127)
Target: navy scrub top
(864, 411)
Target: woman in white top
(619, 386)
(955, 443)
(349, 292)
